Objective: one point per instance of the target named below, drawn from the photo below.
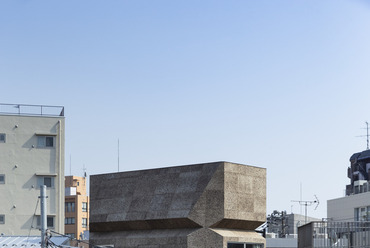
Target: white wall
(342, 209)
(21, 160)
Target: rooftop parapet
(31, 110)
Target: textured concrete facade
(202, 205)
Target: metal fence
(26, 109)
(334, 234)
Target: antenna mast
(367, 135)
(118, 155)
(306, 204)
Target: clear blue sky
(277, 84)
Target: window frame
(69, 221)
(48, 220)
(70, 207)
(84, 206)
(41, 181)
(42, 141)
(246, 245)
(84, 222)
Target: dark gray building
(200, 206)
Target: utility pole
(43, 216)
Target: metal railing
(33, 110)
(334, 234)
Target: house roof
(28, 242)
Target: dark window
(84, 222)
(49, 221)
(45, 141)
(2, 178)
(69, 207)
(234, 245)
(2, 137)
(69, 221)
(49, 141)
(244, 245)
(47, 181)
(2, 219)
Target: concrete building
(76, 207)
(287, 227)
(196, 206)
(282, 230)
(355, 206)
(31, 154)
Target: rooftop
(31, 110)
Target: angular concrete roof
(217, 195)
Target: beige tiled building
(76, 207)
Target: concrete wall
(202, 205)
(24, 163)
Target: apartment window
(2, 179)
(2, 137)
(84, 207)
(362, 214)
(45, 141)
(48, 181)
(49, 221)
(69, 207)
(84, 222)
(2, 219)
(69, 221)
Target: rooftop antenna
(70, 164)
(118, 154)
(84, 169)
(367, 135)
(306, 204)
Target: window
(2, 179)
(69, 221)
(69, 207)
(84, 207)
(45, 141)
(49, 221)
(2, 137)
(244, 245)
(84, 222)
(2, 219)
(48, 181)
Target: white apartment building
(31, 154)
(355, 206)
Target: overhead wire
(33, 217)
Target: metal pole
(43, 216)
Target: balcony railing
(31, 110)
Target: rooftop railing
(31, 110)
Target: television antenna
(367, 135)
(307, 204)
